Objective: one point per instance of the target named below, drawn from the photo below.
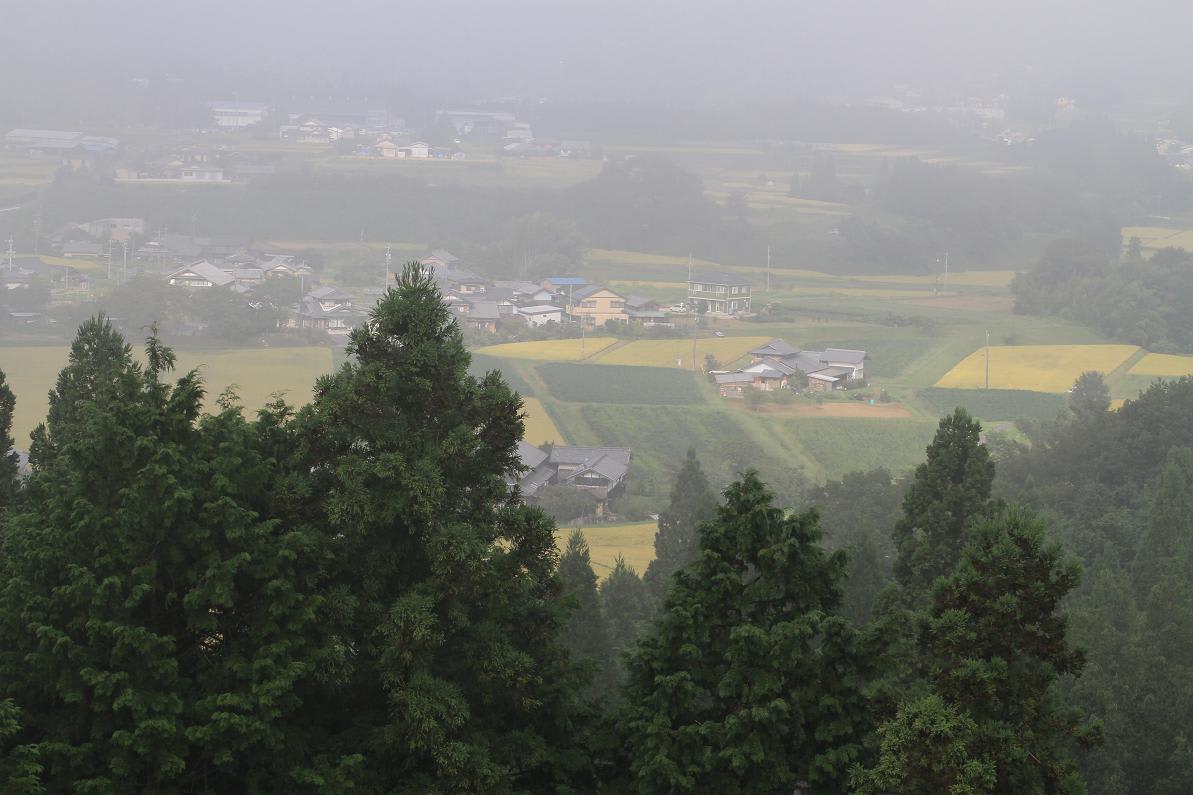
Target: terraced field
(1040, 368)
(1163, 365)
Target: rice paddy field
(678, 352)
(257, 373)
(1156, 237)
(1163, 365)
(549, 350)
(540, 428)
(634, 542)
(1039, 368)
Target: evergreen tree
(625, 603)
(443, 601)
(995, 644)
(584, 633)
(748, 683)
(1090, 397)
(154, 622)
(677, 541)
(8, 457)
(20, 773)
(949, 491)
(1166, 544)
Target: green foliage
(9, 484)
(1090, 396)
(156, 624)
(950, 490)
(584, 632)
(995, 404)
(444, 620)
(625, 603)
(540, 243)
(747, 683)
(565, 503)
(20, 772)
(609, 383)
(677, 543)
(1144, 303)
(856, 515)
(993, 648)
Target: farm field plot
(601, 383)
(956, 279)
(257, 374)
(482, 364)
(634, 542)
(665, 353)
(1041, 368)
(549, 350)
(994, 404)
(1157, 237)
(540, 429)
(1163, 364)
(839, 446)
(660, 437)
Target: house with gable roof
(601, 471)
(774, 364)
(594, 306)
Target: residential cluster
(599, 471)
(780, 365)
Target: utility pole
(943, 282)
(691, 310)
(11, 251)
(389, 258)
(987, 358)
(768, 269)
(124, 245)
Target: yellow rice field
(258, 373)
(1156, 237)
(1043, 368)
(664, 353)
(1163, 364)
(549, 350)
(634, 542)
(539, 427)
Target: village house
(775, 364)
(541, 314)
(235, 114)
(328, 309)
(645, 311)
(525, 293)
(200, 275)
(479, 315)
(718, 293)
(594, 306)
(600, 471)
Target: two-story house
(594, 306)
(719, 294)
(329, 309)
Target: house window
(617, 304)
(588, 304)
(734, 291)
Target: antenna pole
(987, 358)
(768, 269)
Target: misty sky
(691, 51)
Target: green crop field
(257, 374)
(482, 364)
(597, 383)
(661, 435)
(839, 446)
(994, 404)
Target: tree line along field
(258, 375)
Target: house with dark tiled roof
(774, 365)
(329, 309)
(601, 471)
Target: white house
(236, 114)
(419, 150)
(541, 314)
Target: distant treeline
(1146, 302)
